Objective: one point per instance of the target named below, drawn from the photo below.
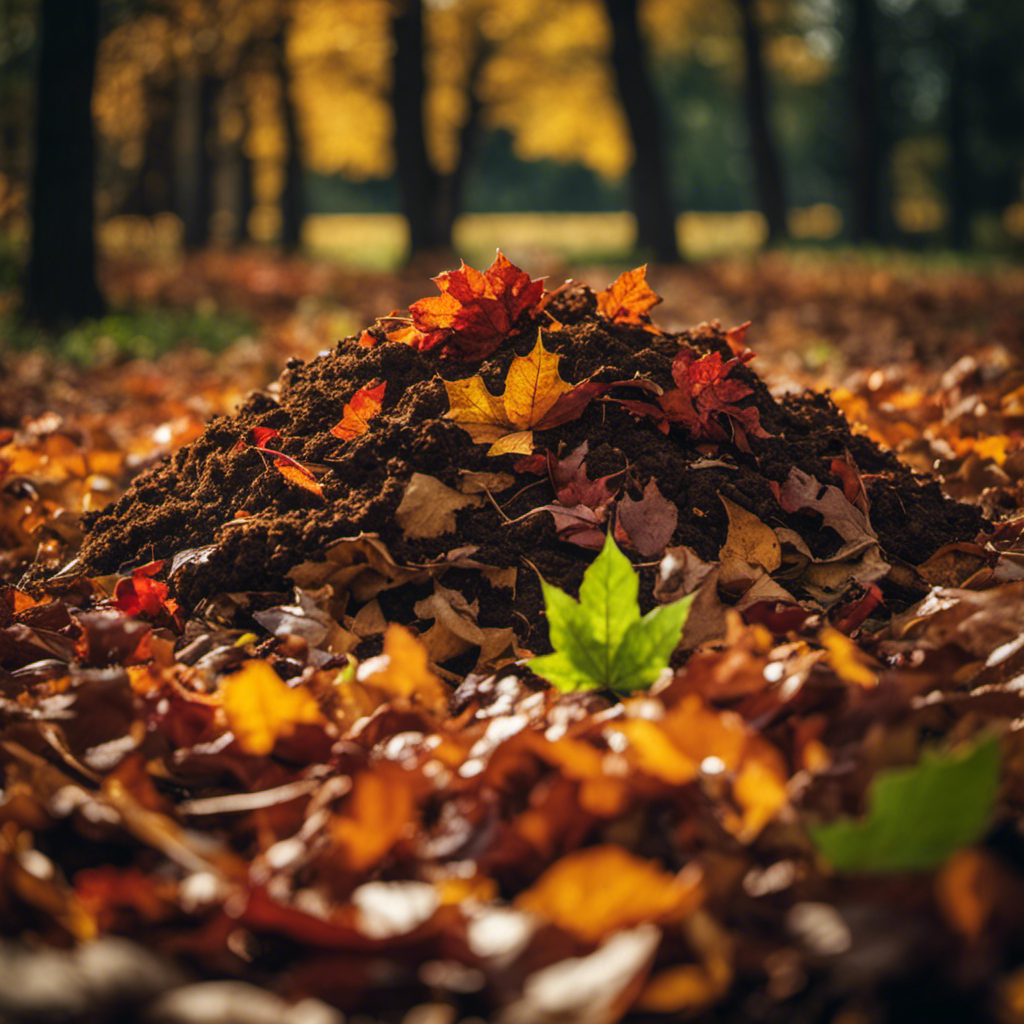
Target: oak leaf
(355, 420)
(261, 708)
(706, 394)
(475, 311)
(628, 298)
(140, 594)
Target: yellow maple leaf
(532, 387)
(260, 707)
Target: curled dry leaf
(629, 298)
(355, 421)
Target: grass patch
(145, 334)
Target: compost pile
(671, 441)
(273, 748)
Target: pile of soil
(254, 525)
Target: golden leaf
(628, 298)
(532, 387)
(403, 670)
(260, 707)
(603, 889)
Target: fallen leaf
(751, 548)
(379, 810)
(648, 524)
(140, 594)
(403, 670)
(918, 816)
(261, 708)
(475, 311)
(532, 386)
(601, 640)
(600, 890)
(628, 298)
(291, 469)
(428, 507)
(365, 404)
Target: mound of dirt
(227, 519)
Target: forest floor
(218, 745)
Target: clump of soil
(255, 525)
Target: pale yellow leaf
(520, 443)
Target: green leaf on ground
(918, 816)
(601, 640)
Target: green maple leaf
(918, 816)
(601, 640)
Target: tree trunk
(293, 193)
(153, 189)
(771, 191)
(960, 168)
(194, 154)
(449, 198)
(869, 152)
(417, 180)
(652, 204)
(61, 284)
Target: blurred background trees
(230, 122)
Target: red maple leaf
(475, 311)
(140, 594)
(704, 399)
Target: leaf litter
(286, 730)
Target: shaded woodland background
(184, 124)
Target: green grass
(145, 334)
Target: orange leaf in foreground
(628, 298)
(403, 670)
(475, 311)
(603, 889)
(261, 708)
(355, 421)
(378, 813)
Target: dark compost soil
(260, 525)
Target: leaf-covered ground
(317, 762)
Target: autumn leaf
(705, 397)
(261, 708)
(648, 524)
(140, 594)
(628, 299)
(475, 311)
(355, 420)
(428, 507)
(532, 388)
(403, 670)
(291, 469)
(603, 889)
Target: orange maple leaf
(291, 469)
(628, 298)
(355, 421)
(475, 311)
